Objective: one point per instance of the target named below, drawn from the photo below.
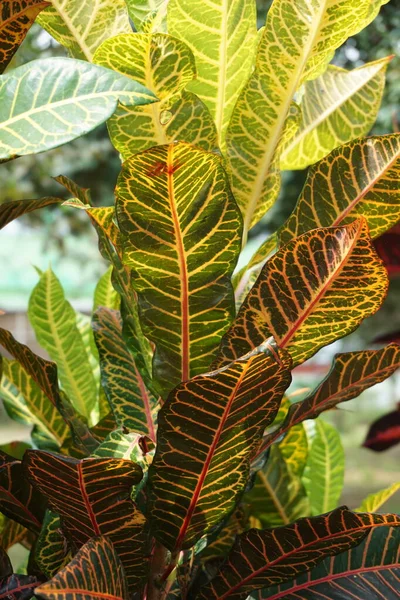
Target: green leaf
(49, 102)
(16, 18)
(16, 208)
(336, 108)
(81, 28)
(207, 432)
(294, 449)
(139, 10)
(374, 501)
(133, 405)
(324, 271)
(350, 375)
(100, 505)
(324, 473)
(297, 43)
(25, 402)
(164, 65)
(76, 191)
(95, 572)
(221, 37)
(105, 294)
(181, 237)
(370, 571)
(44, 374)
(270, 557)
(278, 496)
(54, 321)
(18, 500)
(14, 533)
(223, 540)
(358, 179)
(51, 549)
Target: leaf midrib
(302, 133)
(74, 32)
(274, 497)
(279, 124)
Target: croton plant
(166, 459)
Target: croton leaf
(351, 374)
(140, 10)
(384, 432)
(101, 504)
(278, 496)
(374, 501)
(57, 100)
(324, 473)
(259, 117)
(223, 56)
(164, 65)
(207, 431)
(18, 499)
(244, 279)
(12, 533)
(357, 179)
(370, 571)
(336, 108)
(16, 208)
(324, 271)
(13, 586)
(222, 541)
(25, 402)
(76, 191)
(294, 448)
(55, 324)
(51, 549)
(16, 18)
(81, 28)
(95, 572)
(181, 230)
(388, 249)
(132, 404)
(104, 293)
(263, 558)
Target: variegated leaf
(374, 502)
(208, 430)
(51, 549)
(181, 237)
(337, 107)
(297, 43)
(358, 179)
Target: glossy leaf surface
(141, 10)
(324, 472)
(101, 503)
(296, 44)
(16, 208)
(55, 324)
(95, 572)
(350, 375)
(221, 39)
(81, 28)
(105, 294)
(358, 179)
(132, 404)
(49, 102)
(337, 107)
(270, 557)
(384, 433)
(18, 500)
(323, 272)
(208, 430)
(181, 232)
(370, 571)
(16, 19)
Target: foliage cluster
(167, 458)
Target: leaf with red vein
(133, 405)
(18, 500)
(384, 432)
(310, 293)
(357, 179)
(264, 558)
(96, 572)
(208, 430)
(92, 496)
(350, 375)
(181, 233)
(370, 571)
